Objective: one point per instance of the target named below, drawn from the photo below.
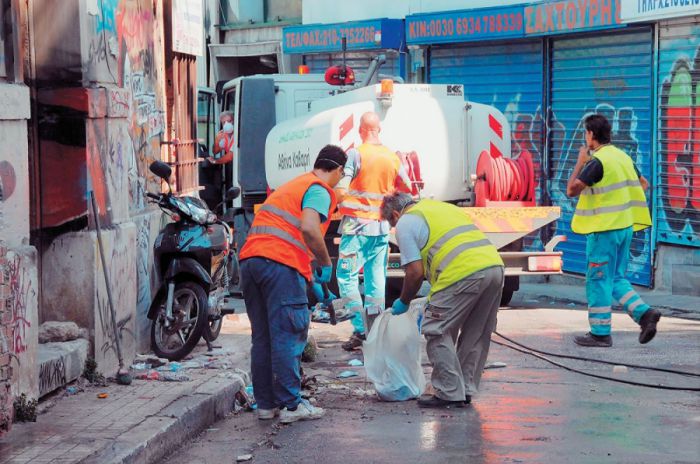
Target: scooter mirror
(232, 193)
(161, 170)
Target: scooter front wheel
(176, 338)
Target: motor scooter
(194, 262)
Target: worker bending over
(439, 241)
(286, 234)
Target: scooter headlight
(198, 214)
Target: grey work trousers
(458, 324)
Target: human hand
(399, 307)
(583, 156)
(323, 274)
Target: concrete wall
(678, 269)
(18, 266)
(100, 127)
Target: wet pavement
(529, 411)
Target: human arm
(645, 183)
(412, 234)
(311, 231)
(575, 185)
(350, 171)
(412, 282)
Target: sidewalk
(138, 423)
(574, 291)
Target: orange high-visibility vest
(276, 230)
(379, 167)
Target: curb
(158, 435)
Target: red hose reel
(504, 179)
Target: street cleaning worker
(439, 241)
(223, 142)
(276, 265)
(611, 206)
(371, 172)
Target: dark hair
(599, 125)
(330, 157)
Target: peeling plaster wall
(18, 269)
(100, 128)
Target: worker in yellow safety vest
(611, 207)
(439, 241)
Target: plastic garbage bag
(393, 354)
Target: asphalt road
(528, 411)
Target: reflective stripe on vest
(378, 169)
(456, 248)
(617, 201)
(279, 233)
(284, 215)
(276, 230)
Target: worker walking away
(371, 172)
(439, 241)
(276, 265)
(611, 206)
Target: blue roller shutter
(678, 175)
(609, 74)
(358, 61)
(505, 75)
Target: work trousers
(607, 254)
(369, 253)
(457, 325)
(277, 306)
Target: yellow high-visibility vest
(617, 201)
(456, 248)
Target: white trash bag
(392, 354)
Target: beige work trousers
(458, 324)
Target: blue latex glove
(323, 274)
(399, 307)
(317, 289)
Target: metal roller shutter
(678, 176)
(359, 62)
(507, 76)
(609, 74)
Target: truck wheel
(506, 296)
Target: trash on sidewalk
(141, 366)
(355, 363)
(620, 369)
(244, 457)
(150, 375)
(347, 374)
(153, 360)
(245, 399)
(173, 377)
(72, 390)
(495, 365)
(102, 396)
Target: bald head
(370, 127)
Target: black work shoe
(467, 399)
(354, 343)
(603, 341)
(648, 324)
(431, 401)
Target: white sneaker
(267, 414)
(304, 411)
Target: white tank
(435, 121)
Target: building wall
(100, 127)
(323, 11)
(18, 267)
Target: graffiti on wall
(679, 216)
(52, 374)
(21, 291)
(121, 268)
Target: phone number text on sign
(466, 27)
(330, 37)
